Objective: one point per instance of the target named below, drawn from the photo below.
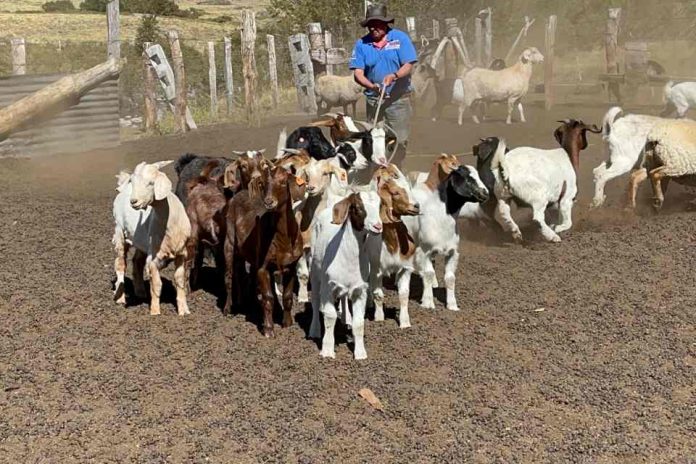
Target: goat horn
(594, 129)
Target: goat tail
(609, 120)
(667, 91)
(282, 139)
(498, 161)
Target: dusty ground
(604, 374)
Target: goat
(190, 166)
(392, 251)
(539, 178)
(340, 270)
(151, 218)
(262, 231)
(679, 98)
(333, 91)
(624, 136)
(435, 228)
(670, 153)
(506, 85)
(206, 209)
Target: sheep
(624, 136)
(506, 85)
(539, 178)
(670, 153)
(151, 218)
(679, 98)
(340, 269)
(337, 91)
(435, 228)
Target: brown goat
(571, 135)
(263, 232)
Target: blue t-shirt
(378, 63)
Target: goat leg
(121, 248)
(637, 177)
(288, 287)
(139, 260)
(656, 176)
(180, 283)
(155, 286)
(265, 283)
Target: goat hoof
(427, 305)
(287, 321)
(453, 307)
(405, 325)
(154, 311)
(358, 355)
(121, 299)
(517, 238)
(555, 239)
(328, 354)
(268, 333)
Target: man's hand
(389, 79)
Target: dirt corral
(581, 352)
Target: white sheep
(336, 91)
(151, 218)
(624, 136)
(506, 85)
(679, 98)
(670, 153)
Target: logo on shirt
(393, 45)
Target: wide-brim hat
(376, 13)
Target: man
(385, 57)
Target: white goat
(505, 85)
(435, 229)
(340, 270)
(534, 177)
(151, 218)
(679, 98)
(337, 91)
(392, 252)
(624, 137)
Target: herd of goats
(334, 216)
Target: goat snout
(270, 203)
(376, 228)
(482, 194)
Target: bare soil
(578, 352)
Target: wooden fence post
(436, 29)
(249, 67)
(548, 62)
(19, 57)
(112, 22)
(478, 41)
(229, 81)
(488, 38)
(212, 80)
(411, 27)
(303, 70)
(149, 83)
(328, 43)
(272, 69)
(611, 45)
(317, 49)
(179, 82)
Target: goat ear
(162, 186)
(230, 179)
(340, 211)
(558, 134)
(583, 135)
(297, 187)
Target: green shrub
(58, 6)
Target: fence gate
(91, 124)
